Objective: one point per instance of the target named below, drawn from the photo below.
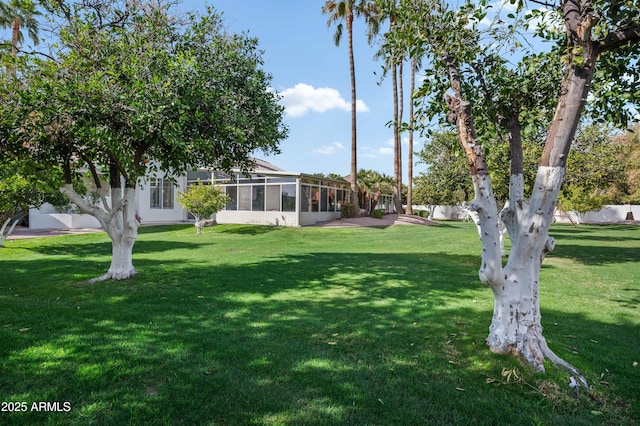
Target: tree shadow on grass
(247, 229)
(585, 246)
(602, 255)
(102, 247)
(321, 338)
(587, 232)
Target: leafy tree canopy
(202, 201)
(134, 89)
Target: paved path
(387, 220)
(21, 232)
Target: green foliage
(347, 210)
(594, 174)
(581, 200)
(628, 157)
(202, 201)
(446, 181)
(377, 214)
(136, 90)
(24, 185)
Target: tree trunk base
(119, 275)
(533, 348)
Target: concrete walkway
(21, 232)
(387, 220)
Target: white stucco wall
(149, 215)
(39, 220)
(311, 218)
(607, 214)
(257, 218)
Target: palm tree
(372, 185)
(18, 14)
(346, 10)
(416, 63)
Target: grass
(271, 326)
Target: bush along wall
(347, 210)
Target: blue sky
(312, 75)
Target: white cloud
(329, 149)
(302, 98)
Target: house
(266, 196)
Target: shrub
(377, 214)
(347, 210)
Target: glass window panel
(232, 192)
(311, 180)
(283, 179)
(324, 202)
(315, 198)
(194, 175)
(257, 198)
(331, 199)
(251, 179)
(272, 201)
(305, 198)
(289, 198)
(244, 197)
(167, 194)
(155, 193)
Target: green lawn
(267, 325)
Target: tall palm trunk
(354, 150)
(15, 36)
(410, 155)
(397, 148)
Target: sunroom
(276, 197)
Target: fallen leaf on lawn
(332, 343)
(596, 413)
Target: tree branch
(96, 180)
(33, 52)
(84, 207)
(619, 38)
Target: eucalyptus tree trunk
(118, 219)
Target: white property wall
(40, 220)
(608, 214)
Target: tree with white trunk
(509, 99)
(203, 201)
(131, 90)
